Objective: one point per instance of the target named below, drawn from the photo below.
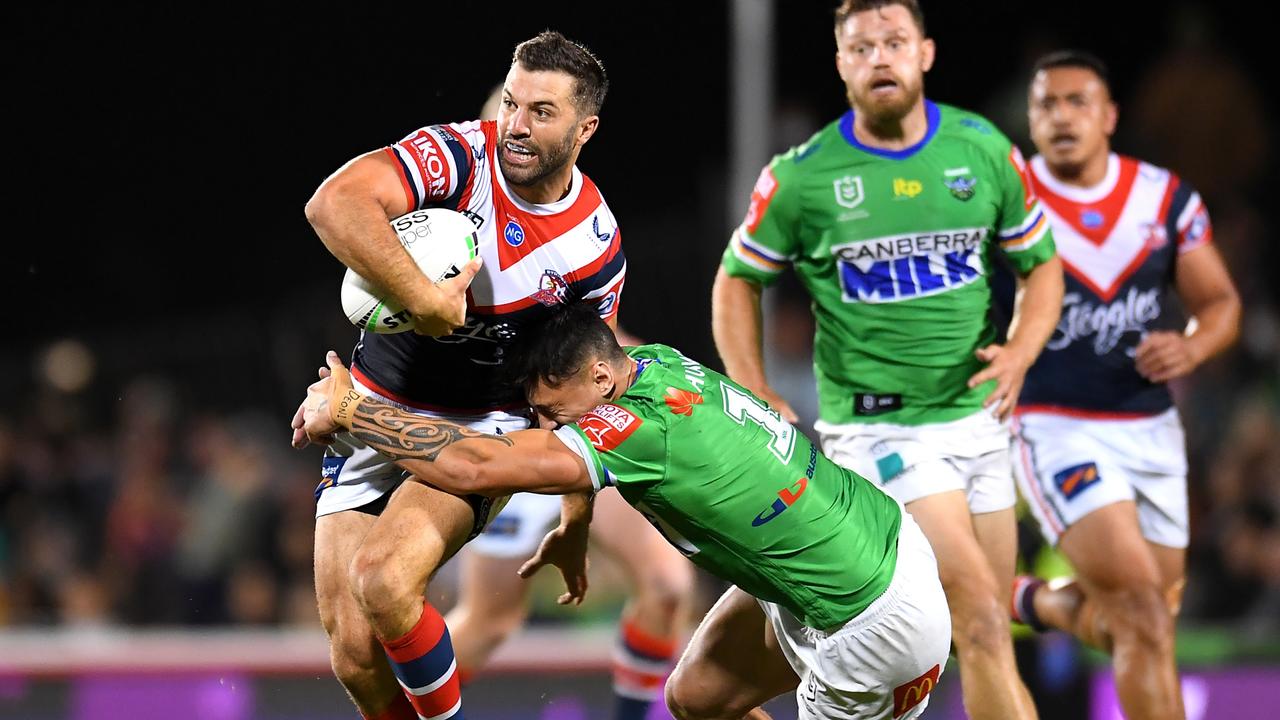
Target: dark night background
(168, 302)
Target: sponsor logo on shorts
(330, 468)
(608, 425)
(909, 695)
(503, 526)
(1076, 479)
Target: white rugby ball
(440, 241)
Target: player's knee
(979, 623)
(1139, 613)
(379, 587)
(685, 703)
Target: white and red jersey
(1119, 242)
(535, 257)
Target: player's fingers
(299, 439)
(997, 395)
(531, 565)
(468, 273)
(988, 373)
(988, 353)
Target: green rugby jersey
(895, 248)
(739, 491)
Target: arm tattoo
(403, 435)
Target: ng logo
(908, 188)
(787, 497)
(909, 695)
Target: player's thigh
(420, 528)
(997, 535)
(649, 561)
(489, 588)
(733, 659)
(1108, 552)
(963, 566)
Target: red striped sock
(424, 664)
(640, 665)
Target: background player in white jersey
(1101, 458)
(493, 601)
(890, 217)
(546, 238)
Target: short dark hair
(552, 51)
(853, 7)
(557, 349)
(1074, 59)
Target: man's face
(538, 126)
(1071, 116)
(574, 397)
(882, 58)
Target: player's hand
(776, 402)
(1163, 356)
(1008, 367)
(450, 310)
(566, 548)
(313, 422)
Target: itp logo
(787, 497)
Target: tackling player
(890, 217)
(836, 589)
(493, 600)
(1100, 452)
(546, 238)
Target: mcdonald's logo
(911, 694)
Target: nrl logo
(961, 187)
(849, 191)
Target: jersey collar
(933, 116)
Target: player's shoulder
(971, 127)
(799, 157)
(1149, 171)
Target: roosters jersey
(1119, 242)
(535, 258)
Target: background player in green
(891, 217)
(836, 594)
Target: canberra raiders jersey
(535, 257)
(1119, 242)
(895, 249)
(739, 491)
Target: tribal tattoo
(403, 435)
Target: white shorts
(1067, 467)
(518, 530)
(884, 662)
(354, 475)
(909, 462)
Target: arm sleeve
(618, 446)
(1188, 220)
(435, 164)
(766, 241)
(602, 286)
(1023, 231)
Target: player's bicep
(762, 246)
(373, 175)
(1201, 278)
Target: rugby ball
(440, 241)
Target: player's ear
(928, 50)
(587, 127)
(602, 377)
(1110, 115)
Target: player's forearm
(737, 326)
(1036, 309)
(576, 509)
(1215, 325)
